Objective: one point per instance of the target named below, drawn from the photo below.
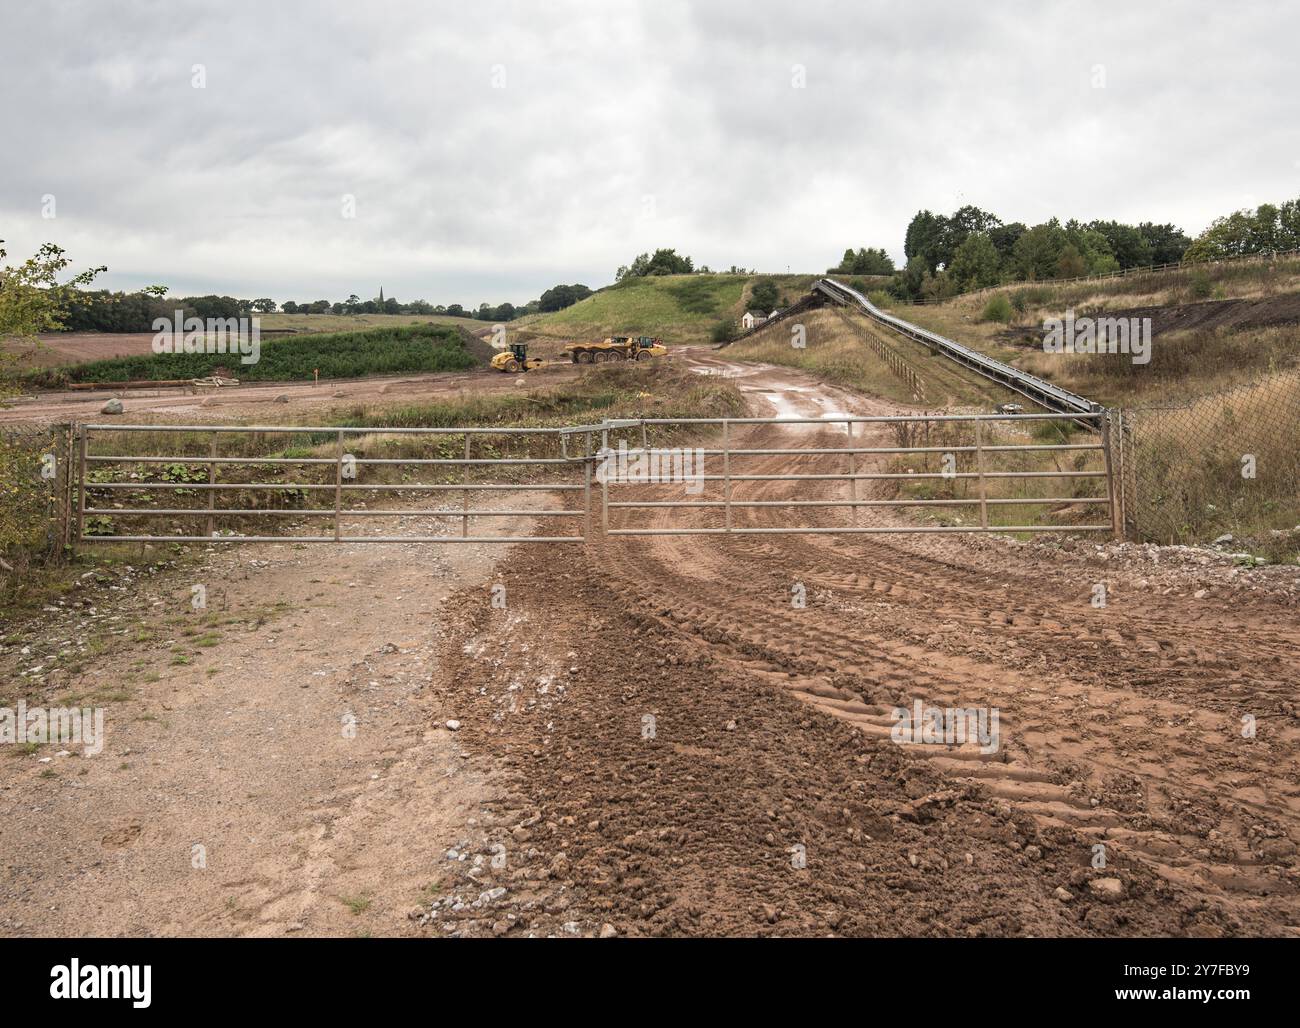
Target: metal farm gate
(204, 483)
(957, 463)
(327, 482)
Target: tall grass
(1187, 467)
(1194, 360)
(835, 350)
(959, 433)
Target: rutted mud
(1120, 728)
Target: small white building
(752, 319)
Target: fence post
(338, 487)
(212, 493)
(853, 473)
(979, 470)
(726, 472)
(81, 484)
(604, 482)
(1107, 441)
(464, 493)
(65, 484)
(586, 493)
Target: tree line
(972, 248)
(103, 310)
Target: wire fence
(35, 493)
(1223, 463)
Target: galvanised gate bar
(343, 484)
(559, 465)
(730, 469)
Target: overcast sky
(494, 149)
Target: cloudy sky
(493, 149)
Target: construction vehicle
(516, 358)
(616, 348)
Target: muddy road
(651, 738)
(1123, 797)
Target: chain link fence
(1223, 463)
(36, 493)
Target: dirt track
(1119, 727)
(204, 404)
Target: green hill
(677, 308)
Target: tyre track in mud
(1130, 735)
(1117, 725)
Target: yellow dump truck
(616, 348)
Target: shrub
(724, 331)
(1035, 296)
(1200, 286)
(997, 309)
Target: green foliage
(337, 355)
(1033, 296)
(1267, 228)
(558, 297)
(32, 300)
(997, 309)
(976, 263)
(661, 262)
(724, 331)
(1049, 250)
(764, 295)
(696, 295)
(865, 261)
(1037, 253)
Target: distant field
(281, 322)
(677, 308)
(59, 348)
(396, 349)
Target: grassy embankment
(677, 308)
(1209, 396)
(1183, 363)
(839, 349)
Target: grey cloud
(467, 193)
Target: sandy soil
(244, 753)
(655, 741)
(272, 400)
(58, 348)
